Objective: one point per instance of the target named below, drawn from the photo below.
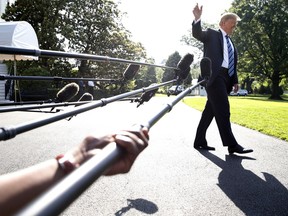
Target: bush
(35, 89)
(264, 90)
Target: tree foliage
(146, 76)
(92, 27)
(198, 49)
(198, 46)
(172, 61)
(44, 17)
(261, 39)
(169, 74)
(95, 27)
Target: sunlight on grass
(258, 113)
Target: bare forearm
(19, 188)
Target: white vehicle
(240, 92)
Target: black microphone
(146, 96)
(130, 71)
(67, 93)
(184, 66)
(206, 68)
(183, 75)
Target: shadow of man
(249, 192)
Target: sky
(160, 24)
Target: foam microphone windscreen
(183, 75)
(206, 67)
(185, 62)
(86, 97)
(130, 71)
(67, 92)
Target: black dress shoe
(239, 149)
(204, 147)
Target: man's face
(229, 25)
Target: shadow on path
(250, 193)
(141, 205)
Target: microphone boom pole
(65, 192)
(10, 132)
(60, 54)
(41, 106)
(59, 197)
(55, 78)
(168, 107)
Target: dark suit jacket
(213, 49)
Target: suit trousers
(217, 106)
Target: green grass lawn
(258, 113)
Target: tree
(146, 75)
(198, 52)
(95, 27)
(44, 17)
(261, 39)
(92, 27)
(169, 74)
(198, 47)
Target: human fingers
(90, 146)
(133, 141)
(132, 146)
(197, 11)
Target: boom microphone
(60, 196)
(183, 75)
(185, 62)
(184, 66)
(67, 93)
(130, 71)
(146, 96)
(206, 68)
(59, 54)
(12, 131)
(86, 97)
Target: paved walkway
(170, 177)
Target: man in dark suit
(223, 55)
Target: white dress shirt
(225, 49)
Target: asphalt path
(170, 177)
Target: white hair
(228, 15)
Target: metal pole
(10, 132)
(46, 78)
(41, 106)
(51, 53)
(168, 107)
(65, 192)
